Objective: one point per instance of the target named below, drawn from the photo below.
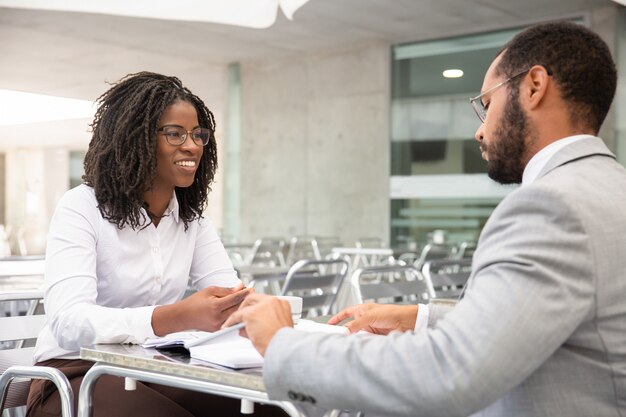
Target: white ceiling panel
(72, 54)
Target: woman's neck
(156, 203)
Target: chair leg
(14, 412)
(41, 372)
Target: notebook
(230, 349)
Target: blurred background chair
(302, 247)
(267, 251)
(434, 251)
(466, 250)
(391, 284)
(317, 282)
(325, 244)
(447, 276)
(17, 336)
(21, 273)
(239, 253)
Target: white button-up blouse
(102, 283)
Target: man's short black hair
(578, 60)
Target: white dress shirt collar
(172, 207)
(541, 158)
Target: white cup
(295, 303)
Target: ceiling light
(453, 73)
(17, 108)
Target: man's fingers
(234, 318)
(362, 323)
(342, 315)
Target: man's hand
(263, 316)
(206, 310)
(377, 318)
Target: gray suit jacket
(541, 330)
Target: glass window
(438, 178)
(76, 168)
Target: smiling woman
(124, 245)
(177, 158)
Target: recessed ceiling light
(453, 73)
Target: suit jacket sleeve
(437, 312)
(531, 287)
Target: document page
(237, 352)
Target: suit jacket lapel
(577, 150)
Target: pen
(211, 336)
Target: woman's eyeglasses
(176, 135)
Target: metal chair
(434, 251)
(302, 247)
(448, 276)
(466, 250)
(267, 251)
(317, 282)
(16, 362)
(391, 284)
(323, 246)
(20, 273)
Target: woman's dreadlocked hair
(120, 163)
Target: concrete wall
(315, 146)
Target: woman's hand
(205, 310)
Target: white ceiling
(72, 54)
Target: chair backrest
(466, 250)
(432, 252)
(16, 370)
(267, 251)
(239, 253)
(390, 284)
(14, 331)
(317, 282)
(323, 245)
(302, 247)
(21, 272)
(448, 276)
(364, 257)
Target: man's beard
(507, 149)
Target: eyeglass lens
(176, 135)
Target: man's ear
(535, 86)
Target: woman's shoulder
(81, 196)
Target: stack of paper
(173, 339)
(230, 349)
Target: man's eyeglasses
(477, 102)
(176, 135)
